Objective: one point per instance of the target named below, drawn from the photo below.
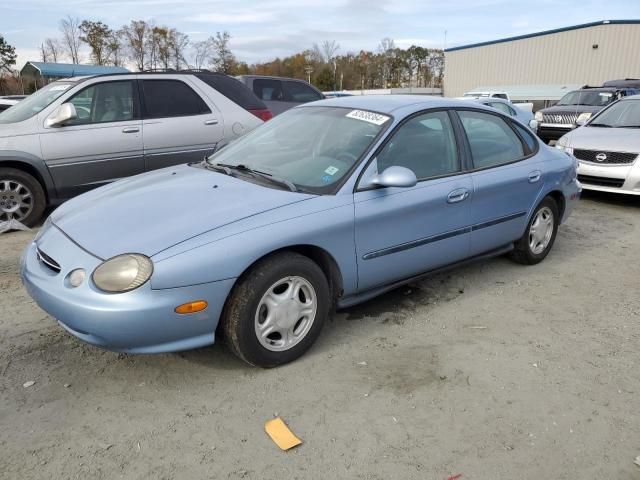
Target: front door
(179, 125)
(103, 144)
(401, 232)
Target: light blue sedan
(326, 206)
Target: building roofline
(546, 32)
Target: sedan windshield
(312, 148)
(581, 97)
(623, 114)
(34, 103)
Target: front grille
(608, 158)
(561, 118)
(601, 181)
(47, 261)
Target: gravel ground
(493, 371)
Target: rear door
(179, 124)
(102, 145)
(507, 178)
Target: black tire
(238, 321)
(38, 200)
(522, 252)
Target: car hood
(151, 212)
(570, 109)
(605, 139)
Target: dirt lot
(494, 371)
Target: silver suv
(80, 133)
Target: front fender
(224, 255)
(16, 158)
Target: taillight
(263, 114)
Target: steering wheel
(347, 157)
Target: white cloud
(247, 17)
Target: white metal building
(590, 54)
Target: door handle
(457, 195)
(535, 176)
(130, 130)
(213, 121)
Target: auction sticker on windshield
(370, 117)
(59, 87)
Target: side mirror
(62, 114)
(392, 177)
(533, 125)
(581, 121)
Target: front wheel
(540, 234)
(277, 309)
(21, 197)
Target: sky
(264, 29)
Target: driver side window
(104, 102)
(425, 144)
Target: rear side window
(500, 95)
(491, 139)
(503, 107)
(171, 98)
(299, 92)
(268, 89)
(234, 90)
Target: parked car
(77, 134)
(488, 94)
(506, 107)
(9, 101)
(607, 148)
(279, 93)
(337, 94)
(624, 83)
(329, 204)
(575, 108)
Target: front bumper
(610, 178)
(140, 321)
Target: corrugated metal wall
(564, 57)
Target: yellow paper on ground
(280, 434)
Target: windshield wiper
(218, 168)
(258, 173)
(603, 125)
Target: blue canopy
(63, 70)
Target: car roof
(388, 103)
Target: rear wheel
(540, 234)
(21, 197)
(277, 310)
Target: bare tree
(223, 60)
(70, 28)
(201, 52)
(135, 36)
(326, 51)
(53, 48)
(116, 45)
(179, 43)
(44, 55)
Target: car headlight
(123, 273)
(583, 117)
(561, 144)
(538, 116)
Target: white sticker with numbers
(371, 117)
